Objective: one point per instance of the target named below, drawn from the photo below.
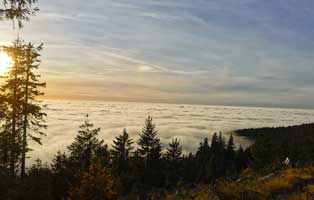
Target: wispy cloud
(233, 52)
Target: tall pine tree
(121, 150)
(150, 151)
(174, 159)
(174, 151)
(86, 147)
(230, 158)
(33, 110)
(12, 95)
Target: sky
(244, 52)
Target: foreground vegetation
(288, 184)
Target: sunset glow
(5, 62)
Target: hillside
(288, 184)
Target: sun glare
(5, 62)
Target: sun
(5, 62)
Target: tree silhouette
(121, 150)
(23, 111)
(174, 152)
(174, 158)
(33, 115)
(203, 158)
(85, 146)
(121, 162)
(149, 143)
(230, 157)
(150, 151)
(12, 95)
(62, 176)
(18, 10)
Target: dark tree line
(128, 168)
(272, 146)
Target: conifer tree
(12, 95)
(85, 146)
(230, 145)
(214, 143)
(174, 152)
(173, 157)
(150, 151)
(4, 136)
(24, 114)
(122, 148)
(33, 114)
(230, 157)
(230, 153)
(221, 141)
(203, 157)
(149, 143)
(241, 159)
(121, 162)
(190, 168)
(62, 176)
(20, 111)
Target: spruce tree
(12, 95)
(19, 110)
(241, 159)
(85, 147)
(214, 143)
(24, 113)
(62, 176)
(230, 157)
(221, 142)
(149, 143)
(174, 158)
(150, 151)
(203, 158)
(230, 145)
(174, 152)
(121, 162)
(121, 150)
(33, 110)
(190, 168)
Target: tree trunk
(25, 120)
(13, 152)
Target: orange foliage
(95, 184)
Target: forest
(142, 169)
(90, 169)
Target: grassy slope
(289, 184)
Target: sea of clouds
(189, 123)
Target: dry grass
(202, 192)
(289, 184)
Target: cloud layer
(190, 123)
